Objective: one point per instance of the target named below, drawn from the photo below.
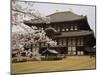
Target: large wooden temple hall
(71, 32)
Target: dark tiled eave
(74, 34)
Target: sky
(49, 8)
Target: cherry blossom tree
(23, 35)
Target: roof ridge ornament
(57, 10)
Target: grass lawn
(69, 63)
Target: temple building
(71, 32)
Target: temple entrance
(50, 32)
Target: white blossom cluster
(23, 36)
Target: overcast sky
(49, 8)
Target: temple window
(69, 53)
(63, 42)
(62, 28)
(69, 49)
(80, 42)
(73, 42)
(74, 52)
(76, 28)
(72, 28)
(73, 48)
(80, 52)
(66, 29)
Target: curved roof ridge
(64, 16)
(64, 12)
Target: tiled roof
(74, 33)
(58, 17)
(51, 51)
(64, 16)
